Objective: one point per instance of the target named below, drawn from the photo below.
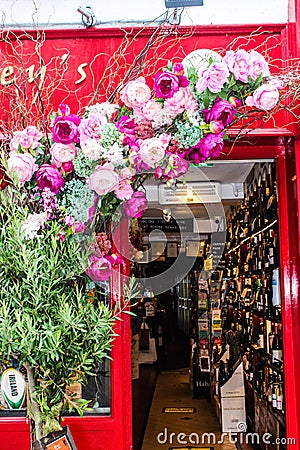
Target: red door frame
(108, 433)
(281, 146)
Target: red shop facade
(79, 58)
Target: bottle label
(279, 402)
(277, 355)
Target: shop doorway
(246, 188)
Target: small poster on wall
(58, 440)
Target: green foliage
(45, 318)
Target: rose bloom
(33, 132)
(239, 64)
(258, 65)
(213, 77)
(100, 269)
(165, 84)
(136, 93)
(222, 111)
(136, 205)
(65, 129)
(23, 165)
(124, 190)
(104, 179)
(67, 167)
(152, 151)
(62, 153)
(91, 126)
(265, 97)
(48, 176)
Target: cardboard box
(233, 412)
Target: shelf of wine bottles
(251, 301)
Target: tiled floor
(181, 430)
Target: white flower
(161, 119)
(33, 224)
(92, 149)
(115, 155)
(104, 109)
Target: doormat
(181, 410)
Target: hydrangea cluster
(88, 164)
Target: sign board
(181, 410)
(149, 224)
(58, 440)
(182, 3)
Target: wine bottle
(276, 346)
(261, 335)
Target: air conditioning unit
(191, 192)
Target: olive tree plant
(46, 321)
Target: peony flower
(78, 227)
(213, 77)
(100, 269)
(221, 110)
(62, 153)
(136, 205)
(67, 167)
(124, 190)
(177, 166)
(48, 177)
(166, 84)
(178, 69)
(65, 129)
(104, 179)
(136, 93)
(265, 97)
(23, 165)
(149, 110)
(208, 147)
(216, 126)
(91, 127)
(239, 64)
(152, 151)
(258, 65)
(179, 102)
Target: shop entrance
(226, 318)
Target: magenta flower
(136, 205)
(100, 268)
(222, 111)
(48, 177)
(166, 84)
(208, 147)
(65, 129)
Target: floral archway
(58, 188)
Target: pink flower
(208, 147)
(221, 110)
(149, 110)
(181, 100)
(23, 165)
(127, 172)
(239, 64)
(33, 132)
(216, 126)
(100, 268)
(48, 177)
(69, 220)
(136, 93)
(135, 206)
(62, 153)
(104, 179)
(78, 227)
(91, 126)
(64, 109)
(176, 167)
(124, 190)
(213, 77)
(67, 167)
(265, 97)
(65, 129)
(178, 69)
(15, 141)
(166, 84)
(258, 65)
(152, 151)
(277, 82)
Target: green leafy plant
(46, 321)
